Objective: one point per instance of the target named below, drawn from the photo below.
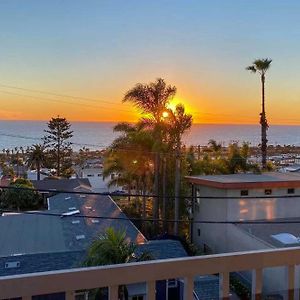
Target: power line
(147, 196)
(57, 94)
(254, 222)
(63, 101)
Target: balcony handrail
(113, 275)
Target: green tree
(152, 100)
(261, 66)
(20, 199)
(57, 140)
(113, 248)
(36, 158)
(130, 159)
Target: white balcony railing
(71, 280)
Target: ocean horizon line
(132, 122)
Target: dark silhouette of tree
(57, 140)
(261, 66)
(36, 158)
(152, 100)
(20, 200)
(180, 122)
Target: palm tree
(113, 248)
(261, 66)
(152, 100)
(36, 158)
(180, 122)
(130, 157)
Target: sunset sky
(96, 50)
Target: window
(198, 195)
(244, 192)
(90, 175)
(199, 232)
(291, 191)
(172, 283)
(137, 297)
(268, 192)
(81, 295)
(12, 265)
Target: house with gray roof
(59, 237)
(62, 184)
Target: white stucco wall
(222, 238)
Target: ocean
(95, 135)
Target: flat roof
(264, 231)
(245, 180)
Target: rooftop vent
(286, 239)
(75, 222)
(12, 265)
(95, 221)
(82, 196)
(67, 198)
(80, 237)
(70, 213)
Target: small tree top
(260, 65)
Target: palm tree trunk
(264, 126)
(164, 182)
(38, 171)
(177, 190)
(156, 190)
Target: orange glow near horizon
(205, 108)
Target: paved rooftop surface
(238, 181)
(264, 231)
(42, 262)
(37, 233)
(265, 177)
(62, 184)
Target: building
(58, 239)
(94, 174)
(236, 198)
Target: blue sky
(100, 49)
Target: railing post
(113, 292)
(297, 281)
(291, 282)
(256, 287)
(188, 289)
(69, 295)
(224, 286)
(151, 290)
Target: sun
(175, 101)
(165, 114)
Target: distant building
(95, 176)
(32, 174)
(291, 168)
(59, 185)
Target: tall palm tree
(36, 158)
(152, 100)
(113, 247)
(261, 66)
(180, 122)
